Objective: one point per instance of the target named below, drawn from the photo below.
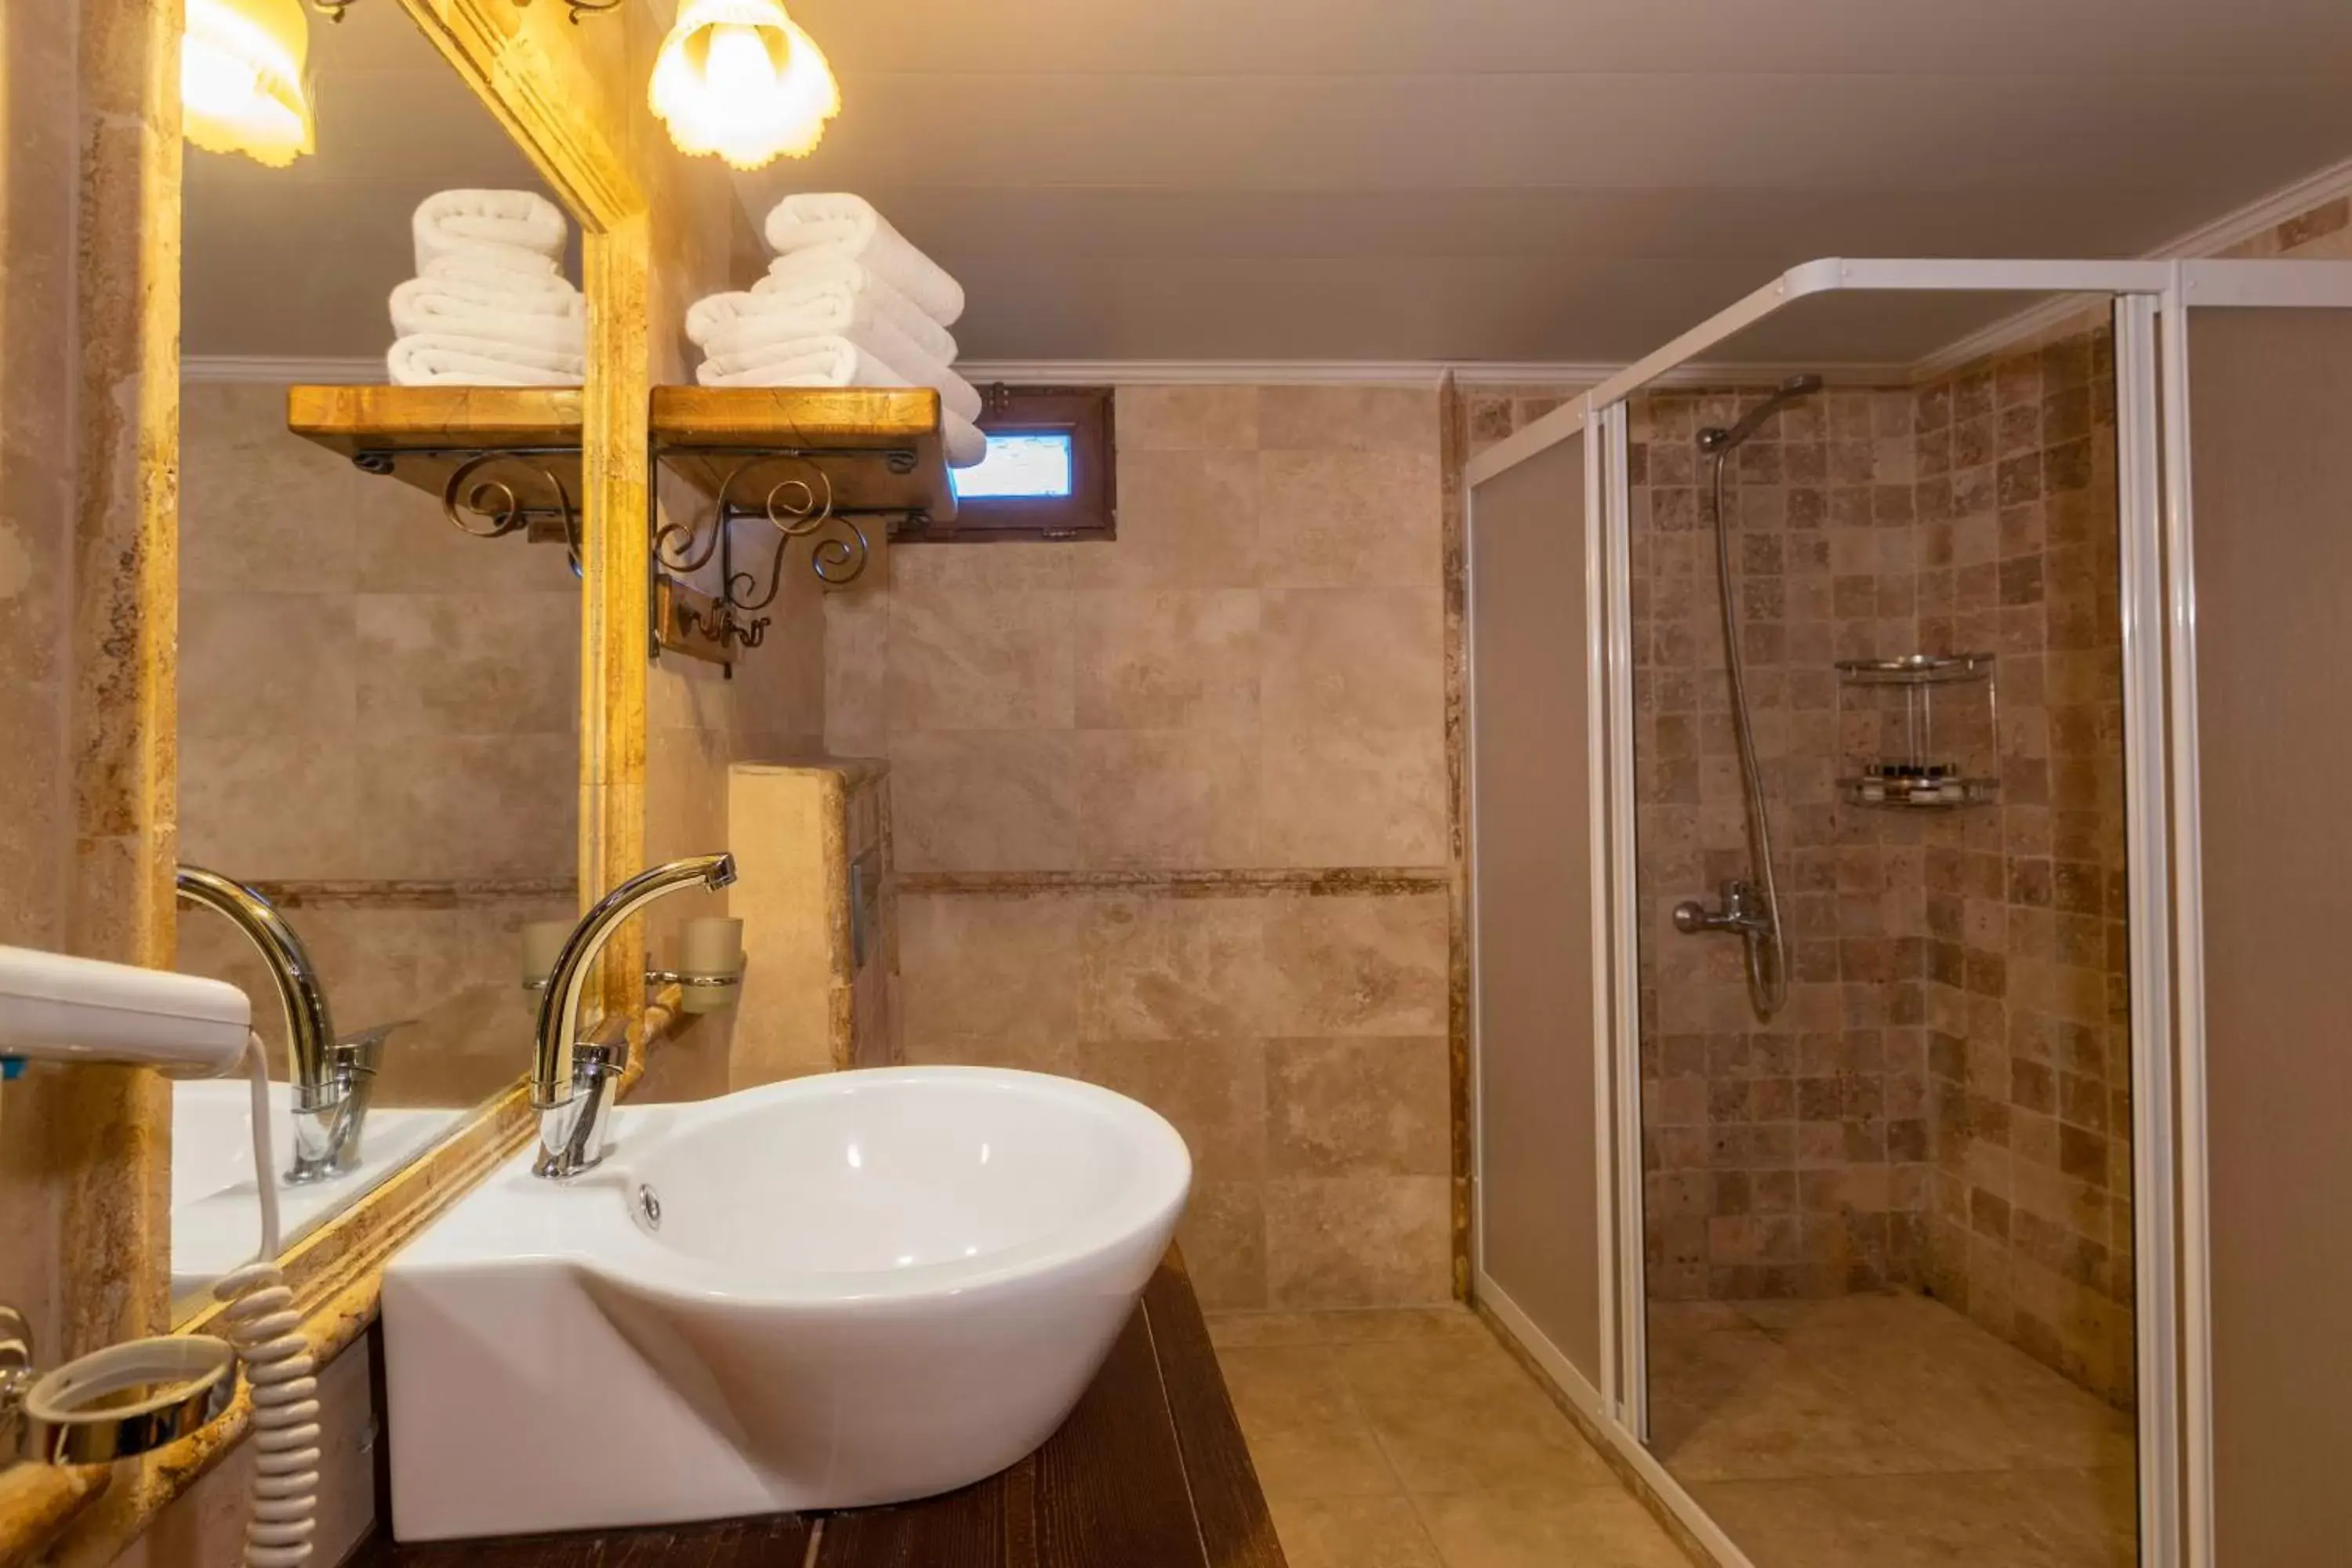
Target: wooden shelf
(879, 448)
(526, 439)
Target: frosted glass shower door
(1533, 731)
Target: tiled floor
(1867, 1431)
(1887, 1431)
(1410, 1439)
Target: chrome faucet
(572, 1080)
(333, 1080)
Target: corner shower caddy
(1911, 762)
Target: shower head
(1715, 438)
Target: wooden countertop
(1149, 1471)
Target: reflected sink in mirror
(214, 1215)
(852, 1288)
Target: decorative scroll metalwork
(799, 503)
(481, 504)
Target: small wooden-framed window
(1051, 472)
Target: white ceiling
(1392, 179)
(1536, 179)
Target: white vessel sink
(215, 1210)
(860, 1288)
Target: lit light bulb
(738, 74)
(241, 64)
(740, 79)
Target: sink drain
(649, 1205)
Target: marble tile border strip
(300, 894)
(1339, 881)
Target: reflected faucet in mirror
(331, 1080)
(572, 1080)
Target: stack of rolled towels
(846, 302)
(490, 305)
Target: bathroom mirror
(378, 713)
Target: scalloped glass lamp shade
(241, 88)
(739, 78)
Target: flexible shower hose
(278, 1368)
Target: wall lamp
(737, 79)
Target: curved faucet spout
(572, 1082)
(325, 1128)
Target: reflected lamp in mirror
(241, 79)
(739, 78)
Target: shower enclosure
(1839, 949)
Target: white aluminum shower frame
(2151, 302)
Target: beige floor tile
(1352, 1532)
(1361, 1326)
(1959, 1396)
(1728, 1402)
(1677, 1317)
(1596, 1527)
(1305, 1432)
(1457, 1414)
(1992, 1519)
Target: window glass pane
(1018, 465)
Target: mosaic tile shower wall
(1942, 1104)
(1788, 1158)
(2028, 989)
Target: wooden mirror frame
(569, 97)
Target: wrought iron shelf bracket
(800, 492)
(492, 491)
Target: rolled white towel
(449, 359)
(865, 368)
(738, 329)
(499, 264)
(476, 309)
(823, 274)
(849, 225)
(835, 361)
(452, 220)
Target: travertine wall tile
(1358, 1107)
(1165, 798)
(1336, 518)
(1158, 968)
(269, 807)
(988, 969)
(1186, 520)
(1368, 658)
(1357, 965)
(980, 657)
(1333, 796)
(466, 662)
(1353, 418)
(286, 663)
(1167, 658)
(1189, 418)
(1250, 677)
(274, 514)
(1000, 800)
(1358, 1241)
(1212, 1091)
